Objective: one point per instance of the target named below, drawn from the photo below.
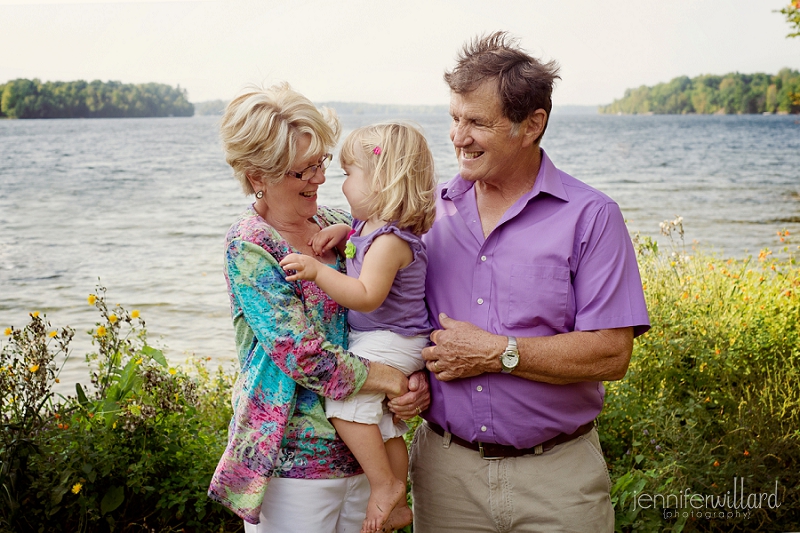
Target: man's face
(482, 136)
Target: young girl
(390, 186)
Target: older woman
(285, 468)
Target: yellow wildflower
(52, 334)
(112, 319)
(76, 488)
(101, 331)
(8, 331)
(33, 368)
(91, 299)
(35, 314)
(139, 361)
(135, 313)
(172, 371)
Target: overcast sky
(386, 52)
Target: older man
(535, 292)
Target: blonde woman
(389, 186)
(291, 337)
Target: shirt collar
(547, 181)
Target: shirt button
(479, 388)
(480, 301)
(483, 428)
(483, 258)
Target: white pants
(383, 346)
(313, 505)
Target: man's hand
(298, 266)
(462, 350)
(416, 400)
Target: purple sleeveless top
(404, 311)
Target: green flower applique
(350, 250)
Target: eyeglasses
(309, 172)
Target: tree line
(732, 93)
(23, 98)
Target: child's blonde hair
(398, 165)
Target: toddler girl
(390, 186)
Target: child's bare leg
(366, 443)
(398, 459)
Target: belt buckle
(482, 451)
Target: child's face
(356, 190)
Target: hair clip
(376, 150)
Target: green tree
(792, 14)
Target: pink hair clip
(376, 150)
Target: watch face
(509, 360)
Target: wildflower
(35, 314)
(172, 371)
(33, 368)
(52, 334)
(112, 319)
(716, 463)
(101, 331)
(8, 331)
(76, 488)
(91, 299)
(139, 361)
(58, 380)
(746, 453)
(658, 448)
(135, 313)
(708, 399)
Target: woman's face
(292, 199)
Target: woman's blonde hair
(398, 165)
(260, 129)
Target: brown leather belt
(490, 450)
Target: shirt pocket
(538, 296)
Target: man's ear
(534, 126)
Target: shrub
(134, 452)
(711, 397)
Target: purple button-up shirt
(559, 260)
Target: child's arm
(334, 236)
(387, 254)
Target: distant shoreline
(217, 107)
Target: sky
(386, 52)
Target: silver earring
(260, 195)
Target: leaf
(82, 399)
(156, 355)
(112, 499)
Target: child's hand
(299, 266)
(329, 237)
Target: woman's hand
(385, 379)
(416, 400)
(298, 266)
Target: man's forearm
(463, 350)
(601, 355)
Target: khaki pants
(564, 489)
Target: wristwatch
(509, 359)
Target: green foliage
(792, 14)
(712, 390)
(24, 98)
(733, 93)
(135, 452)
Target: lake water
(143, 206)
